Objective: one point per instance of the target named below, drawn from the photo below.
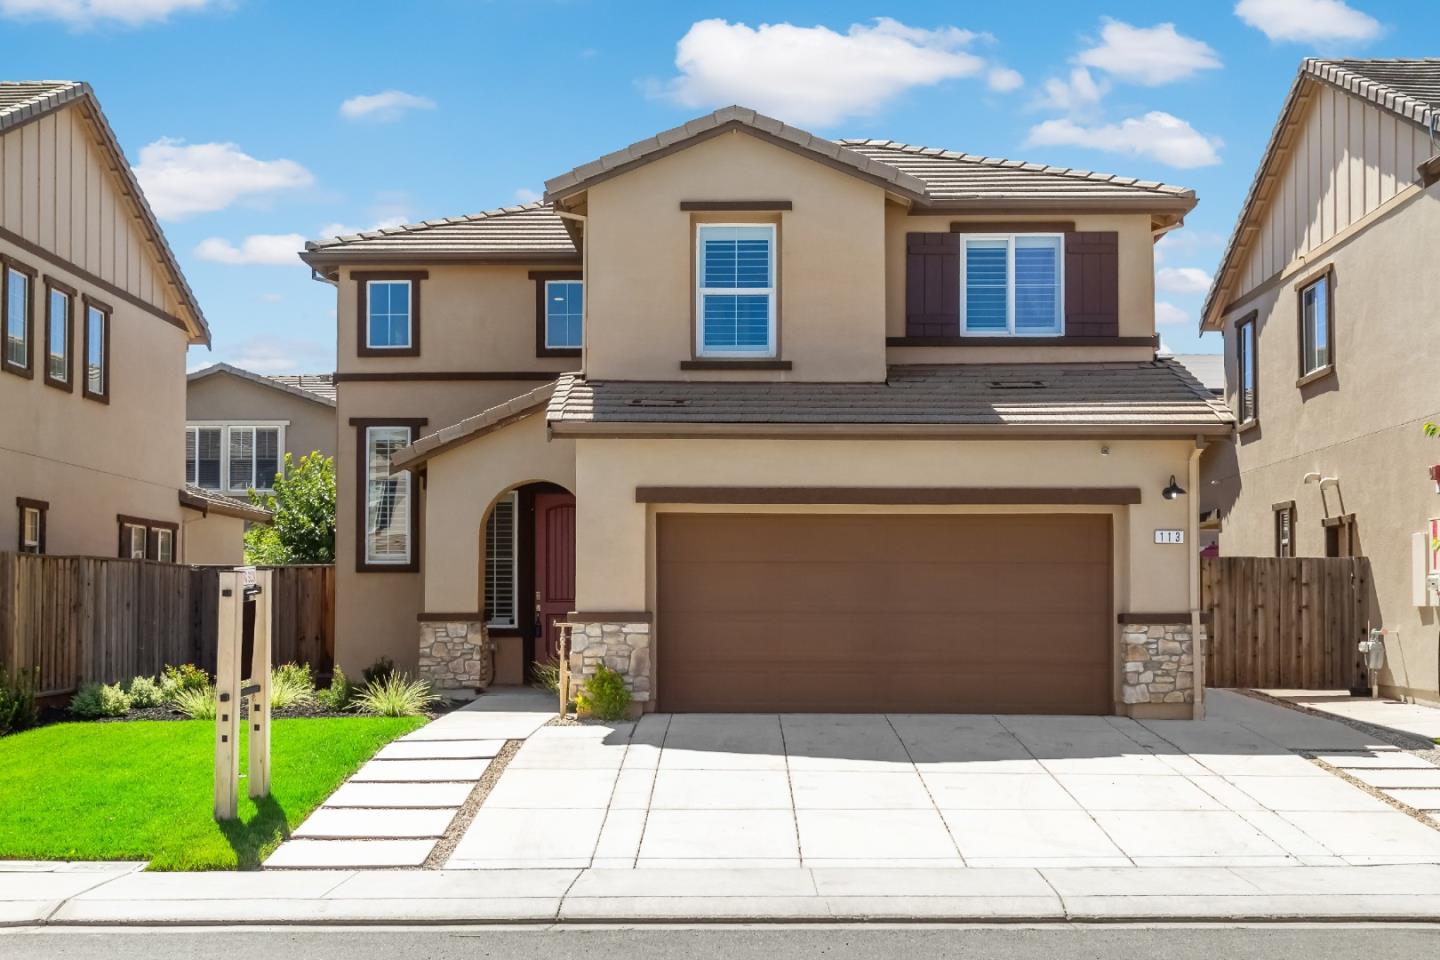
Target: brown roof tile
(531, 231)
(208, 501)
(472, 428)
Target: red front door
(554, 568)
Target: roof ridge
(1355, 82)
(421, 225)
(1046, 168)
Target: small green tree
(303, 505)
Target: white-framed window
(735, 290)
(387, 314)
(165, 545)
(1012, 285)
(204, 456)
(32, 530)
(254, 459)
(234, 457)
(1315, 326)
(500, 563)
(133, 540)
(387, 498)
(564, 313)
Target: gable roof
(210, 501)
(315, 387)
(472, 428)
(1408, 89)
(24, 101)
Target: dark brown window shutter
(1092, 283)
(932, 284)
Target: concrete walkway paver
(1416, 719)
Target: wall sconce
(1172, 491)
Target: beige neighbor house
(842, 426)
(96, 319)
(1326, 297)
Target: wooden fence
(86, 619)
(1287, 622)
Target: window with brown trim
(1284, 529)
(142, 539)
(59, 334)
(96, 366)
(17, 317)
(559, 309)
(387, 312)
(1316, 308)
(32, 524)
(387, 516)
(1247, 391)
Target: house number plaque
(1169, 536)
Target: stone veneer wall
(622, 646)
(1159, 663)
(455, 656)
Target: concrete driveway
(925, 790)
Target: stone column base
(623, 646)
(1159, 667)
(455, 657)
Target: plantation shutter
(932, 285)
(500, 564)
(1092, 283)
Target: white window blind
(254, 457)
(135, 541)
(202, 457)
(242, 458)
(165, 546)
(387, 498)
(500, 564)
(1012, 285)
(30, 535)
(736, 280)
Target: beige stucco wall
(1362, 425)
(640, 249)
(309, 426)
(213, 539)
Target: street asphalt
(1059, 942)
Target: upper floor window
(234, 457)
(202, 456)
(59, 332)
(254, 457)
(1316, 326)
(735, 296)
(1246, 395)
(564, 310)
(388, 313)
(389, 518)
(16, 291)
(97, 351)
(1011, 285)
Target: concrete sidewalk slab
(402, 795)
(330, 823)
(330, 854)
(440, 750)
(1416, 719)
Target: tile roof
(530, 231)
(1405, 88)
(22, 101)
(209, 501)
(472, 428)
(1149, 396)
(319, 387)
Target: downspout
(1198, 648)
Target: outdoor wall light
(1172, 491)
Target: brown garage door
(969, 614)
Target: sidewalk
(1412, 718)
(112, 894)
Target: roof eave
(238, 511)
(258, 379)
(342, 255)
(881, 431)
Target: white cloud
(1156, 135)
(385, 106)
(1004, 79)
(182, 179)
(1148, 55)
(82, 13)
(526, 195)
(1077, 94)
(1182, 280)
(260, 248)
(1308, 21)
(1169, 315)
(814, 75)
(344, 230)
(270, 354)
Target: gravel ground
(442, 850)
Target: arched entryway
(528, 576)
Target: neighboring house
(96, 319)
(1218, 459)
(848, 426)
(239, 426)
(1327, 296)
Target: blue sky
(252, 122)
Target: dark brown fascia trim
(1312, 276)
(361, 565)
(361, 279)
(1003, 205)
(336, 258)
(1013, 226)
(1153, 619)
(923, 496)
(1282, 505)
(144, 522)
(402, 377)
(469, 615)
(86, 303)
(610, 616)
(240, 512)
(72, 297)
(1022, 341)
(736, 365)
(105, 285)
(611, 430)
(1429, 170)
(540, 277)
(740, 206)
(6, 265)
(32, 503)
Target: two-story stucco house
(96, 319)
(843, 426)
(1327, 297)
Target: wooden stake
(227, 695)
(259, 766)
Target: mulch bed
(310, 711)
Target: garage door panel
(779, 625)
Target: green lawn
(144, 790)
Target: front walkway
(817, 791)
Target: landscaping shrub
(396, 696)
(379, 670)
(97, 700)
(187, 676)
(291, 686)
(603, 695)
(338, 695)
(17, 700)
(547, 674)
(145, 692)
(196, 704)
